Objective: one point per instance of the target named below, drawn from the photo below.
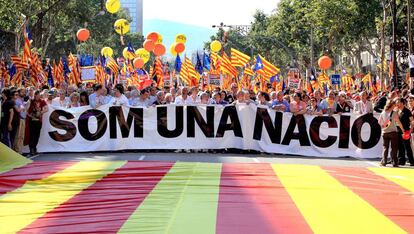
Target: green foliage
(336, 26)
(54, 23)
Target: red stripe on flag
(14, 179)
(390, 199)
(106, 205)
(253, 200)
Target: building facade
(135, 9)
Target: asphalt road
(209, 157)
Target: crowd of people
(22, 109)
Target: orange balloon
(325, 62)
(179, 48)
(149, 45)
(159, 50)
(138, 63)
(152, 36)
(83, 34)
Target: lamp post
(394, 43)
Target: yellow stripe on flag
(24, 205)
(184, 201)
(10, 159)
(402, 177)
(328, 206)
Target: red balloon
(149, 45)
(139, 63)
(325, 62)
(152, 36)
(179, 48)
(159, 50)
(83, 34)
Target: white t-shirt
(58, 103)
(119, 101)
(140, 103)
(180, 101)
(190, 100)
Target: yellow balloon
(107, 52)
(113, 6)
(181, 38)
(127, 54)
(144, 54)
(159, 41)
(215, 46)
(172, 50)
(121, 26)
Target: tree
(54, 23)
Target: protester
(97, 99)
(389, 121)
(21, 105)
(263, 99)
(183, 98)
(280, 104)
(84, 98)
(406, 120)
(194, 98)
(61, 100)
(314, 109)
(328, 105)
(7, 115)
(119, 98)
(342, 105)
(297, 106)
(217, 100)
(35, 114)
(74, 100)
(160, 99)
(364, 106)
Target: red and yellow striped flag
(241, 58)
(227, 67)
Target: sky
(207, 13)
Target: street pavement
(209, 157)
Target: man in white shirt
(61, 100)
(183, 99)
(119, 98)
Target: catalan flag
(184, 72)
(158, 71)
(242, 59)
(265, 68)
(216, 61)
(248, 70)
(113, 66)
(17, 61)
(227, 67)
(27, 54)
(75, 74)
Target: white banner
(111, 128)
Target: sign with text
(241, 126)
